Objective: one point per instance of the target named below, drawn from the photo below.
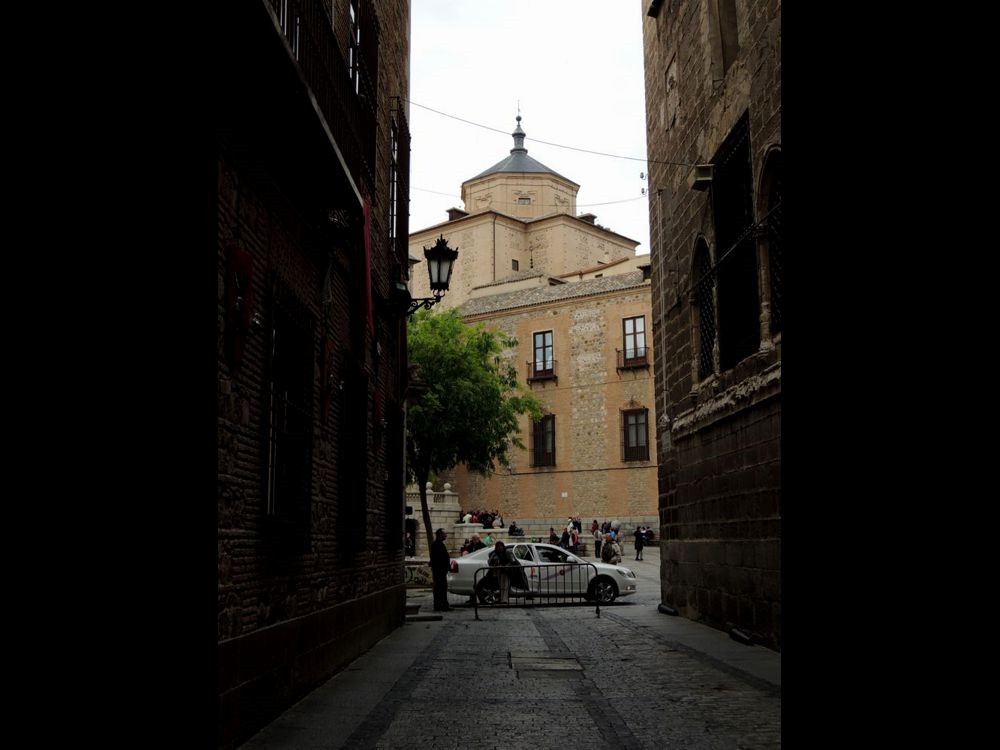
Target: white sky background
(576, 66)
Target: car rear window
(523, 552)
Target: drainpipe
(494, 247)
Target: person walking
(611, 553)
(564, 539)
(440, 564)
(640, 538)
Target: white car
(548, 571)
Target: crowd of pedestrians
(490, 519)
(567, 537)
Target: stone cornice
(748, 392)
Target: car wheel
(488, 591)
(604, 590)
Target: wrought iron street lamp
(440, 262)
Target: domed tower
(519, 230)
(520, 186)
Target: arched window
(704, 304)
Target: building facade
(522, 221)
(713, 110)
(576, 298)
(312, 151)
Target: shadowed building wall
(713, 98)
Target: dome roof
(519, 161)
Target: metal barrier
(539, 584)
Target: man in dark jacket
(440, 564)
(508, 571)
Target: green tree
(468, 412)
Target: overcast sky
(576, 68)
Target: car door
(583, 574)
(558, 576)
(526, 556)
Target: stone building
(713, 120)
(522, 222)
(312, 151)
(577, 299)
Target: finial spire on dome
(518, 136)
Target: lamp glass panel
(434, 269)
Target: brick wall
(587, 400)
(722, 557)
(719, 457)
(294, 608)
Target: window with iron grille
(399, 187)
(291, 26)
(288, 466)
(634, 333)
(736, 248)
(393, 178)
(354, 49)
(543, 441)
(704, 292)
(635, 435)
(543, 364)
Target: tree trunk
(424, 510)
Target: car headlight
(625, 573)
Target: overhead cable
(550, 143)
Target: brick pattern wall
(586, 400)
(289, 616)
(722, 558)
(719, 459)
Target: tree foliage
(468, 413)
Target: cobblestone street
(546, 678)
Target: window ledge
(747, 392)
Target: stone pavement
(539, 677)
